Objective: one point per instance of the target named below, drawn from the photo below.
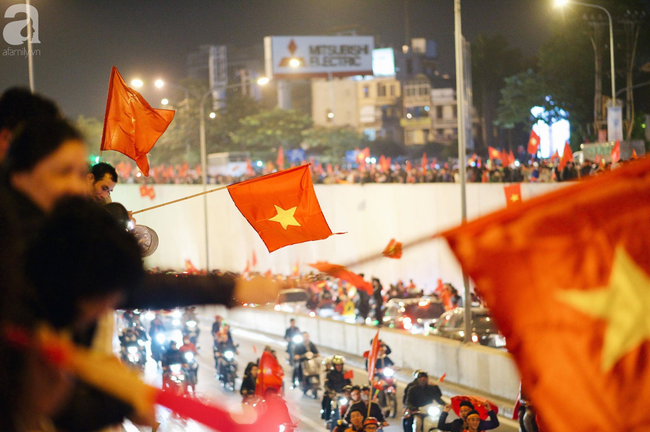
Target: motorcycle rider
(335, 381)
(216, 325)
(300, 350)
(157, 348)
(357, 416)
(407, 419)
(289, 334)
(248, 381)
(375, 410)
(222, 344)
(424, 393)
(193, 368)
(370, 425)
(172, 356)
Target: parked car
(292, 300)
(415, 315)
(451, 325)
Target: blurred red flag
(372, 357)
(147, 191)
(533, 143)
(248, 267)
(493, 153)
(634, 155)
(349, 374)
(393, 250)
(513, 194)
(504, 158)
(555, 156)
(270, 374)
(408, 166)
(567, 156)
(570, 293)
(338, 271)
(280, 160)
(424, 162)
(362, 155)
(296, 269)
(511, 158)
(282, 207)
(249, 167)
(131, 125)
(616, 152)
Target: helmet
(337, 359)
(416, 373)
(371, 421)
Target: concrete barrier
(484, 369)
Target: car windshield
(292, 296)
(484, 323)
(424, 310)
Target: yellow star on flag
(514, 197)
(285, 217)
(623, 303)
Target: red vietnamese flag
(511, 158)
(533, 143)
(424, 162)
(493, 153)
(280, 160)
(348, 374)
(249, 167)
(338, 271)
(270, 374)
(478, 402)
(131, 125)
(408, 166)
(616, 152)
(504, 159)
(393, 250)
(513, 194)
(555, 156)
(579, 255)
(567, 156)
(282, 207)
(372, 357)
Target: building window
(439, 112)
(392, 90)
(366, 91)
(455, 111)
(381, 90)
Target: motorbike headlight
(388, 372)
(160, 337)
(132, 350)
(343, 401)
(191, 323)
(297, 339)
(175, 368)
(433, 411)
(150, 315)
(176, 322)
(140, 342)
(229, 355)
(177, 314)
(189, 356)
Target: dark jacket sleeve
(168, 291)
(493, 423)
(438, 396)
(442, 422)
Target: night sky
(81, 40)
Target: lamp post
(611, 39)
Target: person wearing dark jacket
(335, 381)
(460, 424)
(423, 393)
(375, 410)
(407, 420)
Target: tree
(92, 130)
(332, 142)
(263, 133)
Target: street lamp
(561, 3)
(137, 83)
(165, 101)
(159, 83)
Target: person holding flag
(369, 408)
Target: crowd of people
(61, 246)
(542, 171)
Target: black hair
(35, 140)
(355, 387)
(81, 252)
(100, 170)
(119, 213)
(18, 105)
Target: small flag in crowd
(567, 156)
(493, 153)
(282, 207)
(616, 152)
(393, 250)
(280, 160)
(372, 357)
(567, 278)
(513, 194)
(131, 125)
(533, 143)
(147, 191)
(338, 271)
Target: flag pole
(180, 199)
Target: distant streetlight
(212, 115)
(159, 83)
(263, 81)
(560, 3)
(137, 83)
(165, 101)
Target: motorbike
(310, 374)
(191, 330)
(291, 348)
(425, 417)
(227, 368)
(158, 346)
(175, 379)
(387, 397)
(192, 369)
(339, 406)
(134, 354)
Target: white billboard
(317, 56)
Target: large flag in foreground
(131, 125)
(567, 278)
(282, 207)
